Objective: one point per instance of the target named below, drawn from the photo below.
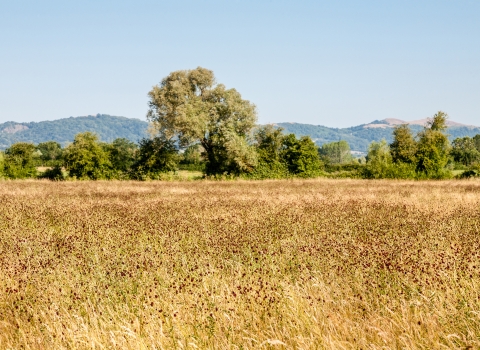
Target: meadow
(287, 264)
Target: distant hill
(63, 130)
(110, 127)
(359, 137)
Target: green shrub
(85, 158)
(54, 174)
(19, 162)
(155, 157)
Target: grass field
(312, 264)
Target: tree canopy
(433, 146)
(404, 146)
(189, 106)
(464, 151)
(19, 162)
(86, 158)
(336, 152)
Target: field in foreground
(327, 264)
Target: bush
(353, 166)
(301, 156)
(85, 158)
(54, 174)
(156, 156)
(192, 167)
(269, 170)
(19, 161)
(2, 165)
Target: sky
(334, 63)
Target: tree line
(197, 124)
(89, 158)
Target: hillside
(110, 127)
(63, 130)
(359, 137)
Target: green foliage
(269, 140)
(464, 151)
(155, 156)
(85, 158)
(354, 170)
(269, 145)
(359, 137)
(122, 154)
(433, 148)
(192, 158)
(301, 156)
(230, 153)
(379, 161)
(468, 174)
(404, 147)
(2, 165)
(190, 106)
(380, 164)
(336, 152)
(476, 142)
(19, 162)
(64, 130)
(50, 153)
(283, 156)
(54, 174)
(109, 128)
(406, 158)
(193, 155)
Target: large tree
(188, 105)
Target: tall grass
(306, 264)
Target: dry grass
(327, 264)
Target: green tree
(193, 158)
(122, 154)
(2, 165)
(193, 155)
(156, 155)
(404, 147)
(85, 158)
(476, 140)
(190, 106)
(433, 147)
(464, 151)
(51, 153)
(269, 142)
(301, 156)
(379, 160)
(20, 161)
(336, 152)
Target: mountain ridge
(110, 127)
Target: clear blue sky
(334, 63)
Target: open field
(327, 264)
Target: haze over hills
(111, 127)
(360, 136)
(63, 130)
